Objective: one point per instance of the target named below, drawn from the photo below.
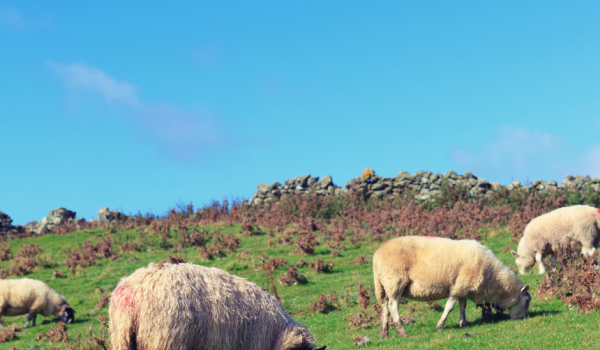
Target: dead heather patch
(360, 260)
(576, 280)
(25, 260)
(5, 252)
(325, 304)
(292, 277)
(319, 267)
(8, 333)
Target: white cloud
(184, 134)
(15, 20)
(12, 18)
(514, 152)
(590, 162)
(79, 76)
(208, 56)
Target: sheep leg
(463, 318)
(396, 316)
(538, 258)
(384, 319)
(553, 262)
(449, 306)
(30, 317)
(588, 251)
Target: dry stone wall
(424, 184)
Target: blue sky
(140, 105)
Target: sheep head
(67, 314)
(523, 262)
(520, 309)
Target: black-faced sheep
(545, 234)
(431, 268)
(185, 306)
(33, 297)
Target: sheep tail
(379, 290)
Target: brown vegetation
(576, 280)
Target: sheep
(186, 306)
(545, 234)
(33, 297)
(432, 268)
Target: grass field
(551, 324)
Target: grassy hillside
(550, 324)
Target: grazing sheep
(27, 296)
(545, 234)
(431, 268)
(185, 306)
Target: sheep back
(186, 306)
(432, 268)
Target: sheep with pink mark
(186, 306)
(545, 234)
(431, 268)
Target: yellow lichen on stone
(367, 174)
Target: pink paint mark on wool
(429, 237)
(598, 211)
(122, 298)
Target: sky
(139, 106)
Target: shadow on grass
(57, 320)
(505, 317)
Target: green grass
(550, 324)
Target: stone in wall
(424, 184)
(298, 185)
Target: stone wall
(424, 184)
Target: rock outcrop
(6, 227)
(107, 215)
(56, 217)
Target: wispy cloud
(208, 56)
(513, 151)
(275, 86)
(524, 153)
(15, 20)
(184, 134)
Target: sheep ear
(514, 253)
(525, 289)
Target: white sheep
(432, 268)
(186, 306)
(33, 297)
(545, 234)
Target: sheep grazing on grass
(431, 268)
(33, 297)
(545, 234)
(185, 306)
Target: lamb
(186, 306)
(432, 268)
(33, 297)
(545, 234)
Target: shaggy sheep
(431, 268)
(27, 296)
(185, 306)
(545, 234)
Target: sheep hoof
(439, 327)
(384, 335)
(464, 324)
